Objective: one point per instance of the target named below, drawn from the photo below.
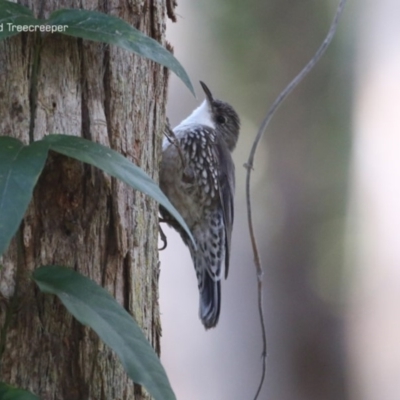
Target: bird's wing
(226, 186)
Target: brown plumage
(197, 174)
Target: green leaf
(14, 15)
(91, 305)
(93, 25)
(20, 167)
(114, 164)
(7, 392)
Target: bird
(197, 174)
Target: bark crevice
(33, 90)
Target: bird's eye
(221, 119)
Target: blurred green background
(307, 191)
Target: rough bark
(79, 217)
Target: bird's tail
(208, 260)
(210, 289)
(210, 301)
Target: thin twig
(163, 236)
(170, 135)
(249, 166)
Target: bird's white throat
(200, 116)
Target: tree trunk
(80, 217)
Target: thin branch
(163, 236)
(249, 166)
(170, 135)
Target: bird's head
(225, 119)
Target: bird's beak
(209, 96)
